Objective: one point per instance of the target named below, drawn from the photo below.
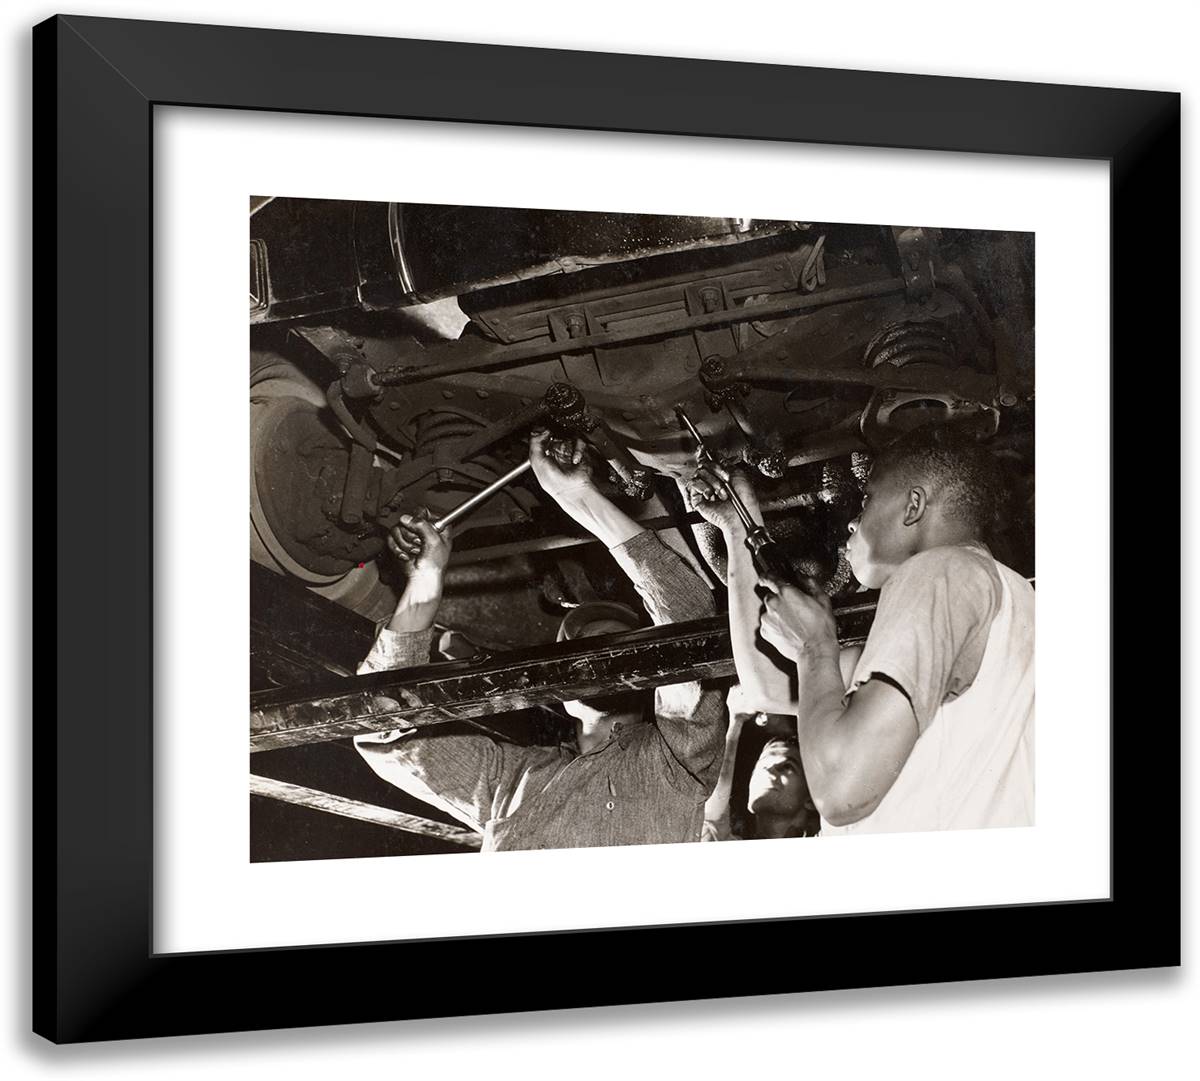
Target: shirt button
(609, 805)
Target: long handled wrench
(482, 496)
(768, 557)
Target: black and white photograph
(576, 529)
(689, 461)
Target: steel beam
(463, 690)
(300, 796)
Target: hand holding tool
(769, 558)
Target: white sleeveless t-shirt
(954, 630)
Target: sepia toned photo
(574, 529)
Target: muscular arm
(406, 637)
(461, 775)
(690, 716)
(926, 644)
(852, 753)
(768, 680)
(716, 807)
(600, 516)
(564, 474)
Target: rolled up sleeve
(460, 775)
(397, 649)
(691, 716)
(671, 591)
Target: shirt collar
(623, 733)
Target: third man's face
(777, 784)
(879, 541)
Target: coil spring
(441, 425)
(907, 343)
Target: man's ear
(914, 508)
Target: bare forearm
(599, 516)
(854, 753)
(717, 804)
(766, 680)
(418, 604)
(819, 711)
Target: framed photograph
(641, 452)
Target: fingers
(547, 448)
(741, 483)
(773, 611)
(711, 469)
(715, 478)
(396, 550)
(809, 587)
(706, 485)
(414, 536)
(770, 631)
(423, 527)
(699, 490)
(812, 588)
(404, 544)
(563, 452)
(772, 585)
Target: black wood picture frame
(97, 83)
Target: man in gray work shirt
(628, 779)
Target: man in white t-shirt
(934, 729)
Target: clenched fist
(416, 543)
(797, 622)
(560, 465)
(707, 493)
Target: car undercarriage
(401, 355)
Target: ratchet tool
(769, 558)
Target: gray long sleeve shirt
(646, 785)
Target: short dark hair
(963, 470)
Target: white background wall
(1095, 1026)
